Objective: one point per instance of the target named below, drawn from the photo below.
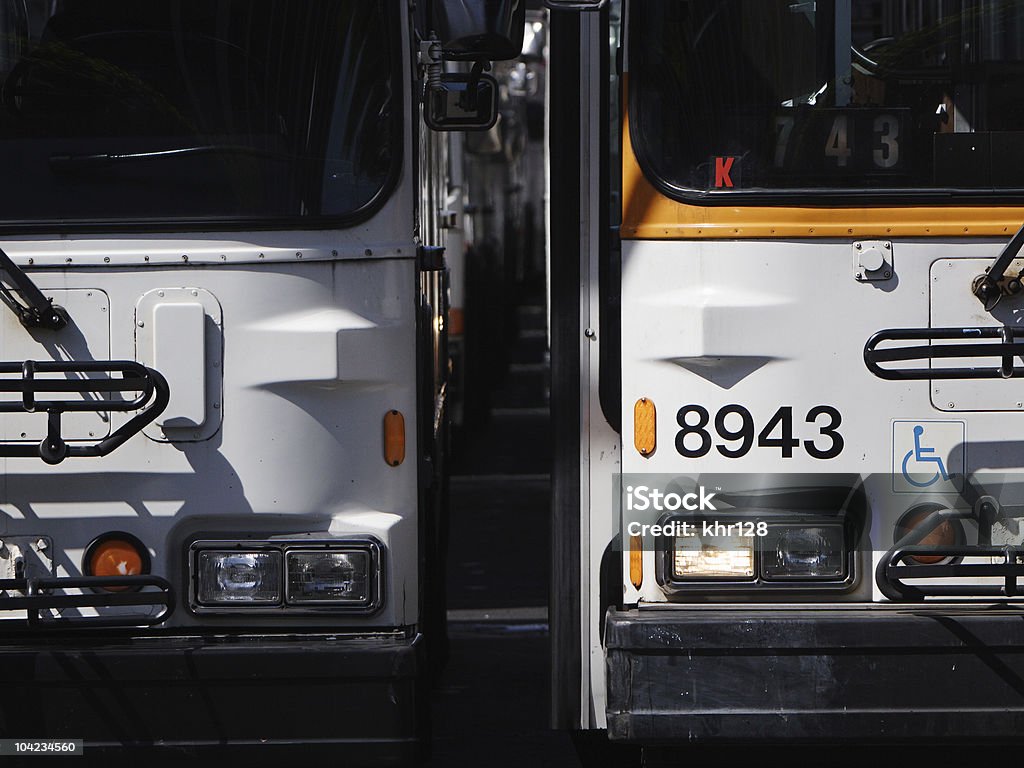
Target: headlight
(729, 556)
(328, 577)
(765, 551)
(239, 577)
(294, 576)
(804, 552)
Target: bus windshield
(856, 95)
(212, 110)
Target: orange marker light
(945, 534)
(636, 561)
(394, 438)
(456, 321)
(115, 556)
(645, 427)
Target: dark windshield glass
(194, 109)
(733, 95)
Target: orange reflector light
(945, 534)
(394, 438)
(116, 555)
(645, 422)
(456, 321)
(636, 561)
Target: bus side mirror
(462, 102)
(479, 29)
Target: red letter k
(723, 165)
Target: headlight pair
(289, 575)
(756, 553)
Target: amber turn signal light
(394, 438)
(948, 533)
(115, 554)
(645, 427)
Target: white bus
(787, 365)
(224, 366)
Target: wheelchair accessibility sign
(928, 456)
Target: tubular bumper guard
(788, 674)
(353, 696)
(103, 386)
(46, 603)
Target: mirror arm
(469, 98)
(431, 58)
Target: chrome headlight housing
(294, 576)
(756, 550)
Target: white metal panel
(954, 307)
(770, 324)
(178, 332)
(179, 353)
(296, 453)
(87, 337)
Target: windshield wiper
(68, 163)
(35, 310)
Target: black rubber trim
(565, 131)
(790, 675)
(357, 692)
(609, 383)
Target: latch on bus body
(995, 283)
(872, 260)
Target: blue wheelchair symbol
(922, 455)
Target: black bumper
(781, 675)
(355, 696)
